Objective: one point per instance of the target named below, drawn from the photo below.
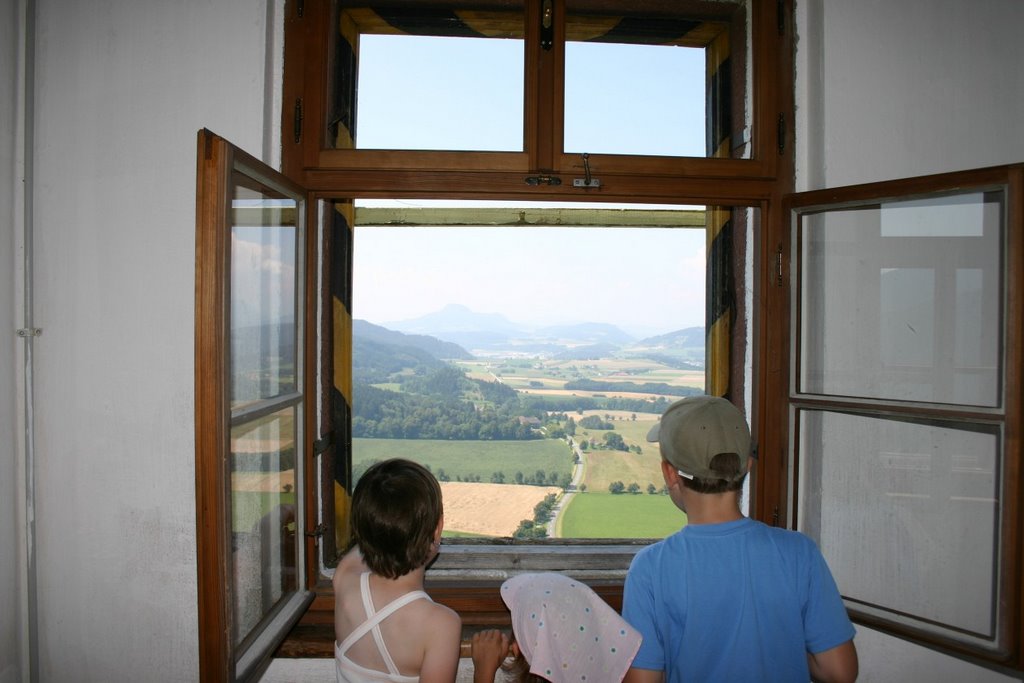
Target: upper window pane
(922, 322)
(653, 84)
(263, 303)
(634, 99)
(428, 79)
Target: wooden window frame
(759, 182)
(780, 384)
(219, 657)
(365, 172)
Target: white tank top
(350, 672)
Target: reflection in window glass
(263, 517)
(439, 93)
(263, 276)
(925, 497)
(265, 404)
(907, 305)
(634, 99)
(921, 320)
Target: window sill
(467, 578)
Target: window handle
(547, 31)
(588, 180)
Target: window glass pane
(524, 363)
(660, 83)
(263, 296)
(907, 516)
(634, 99)
(922, 319)
(264, 543)
(431, 79)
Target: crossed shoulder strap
(375, 617)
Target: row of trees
(617, 487)
(645, 388)
(538, 478)
(537, 527)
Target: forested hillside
(402, 390)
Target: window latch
(588, 180)
(318, 531)
(547, 31)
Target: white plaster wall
(122, 88)
(896, 89)
(9, 538)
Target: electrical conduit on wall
(25, 143)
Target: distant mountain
(681, 349)
(680, 339)
(493, 334)
(435, 347)
(458, 319)
(588, 332)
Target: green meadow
(604, 515)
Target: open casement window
(468, 572)
(904, 409)
(253, 411)
(578, 71)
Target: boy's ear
(669, 473)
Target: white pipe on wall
(25, 143)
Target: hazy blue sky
(646, 281)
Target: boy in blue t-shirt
(728, 598)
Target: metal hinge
(775, 516)
(297, 122)
(322, 444)
(30, 332)
(781, 131)
(543, 180)
(300, 8)
(781, 7)
(778, 267)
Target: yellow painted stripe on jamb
(724, 148)
(717, 369)
(342, 506)
(716, 218)
(716, 52)
(342, 350)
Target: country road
(554, 524)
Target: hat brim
(652, 435)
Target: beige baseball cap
(694, 430)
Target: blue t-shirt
(738, 601)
